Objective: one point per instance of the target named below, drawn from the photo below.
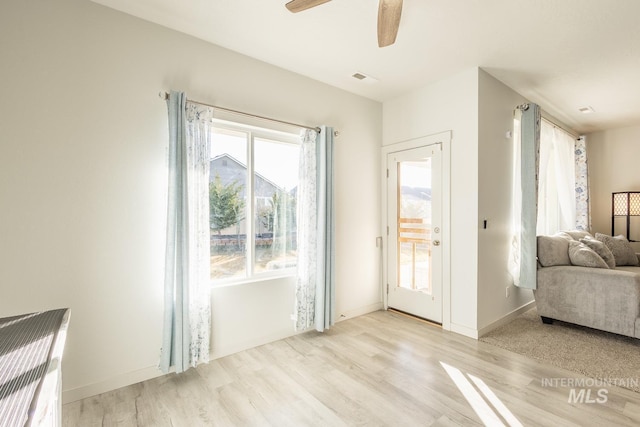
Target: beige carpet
(593, 353)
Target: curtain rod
(544, 115)
(165, 96)
(551, 122)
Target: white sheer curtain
(557, 180)
(187, 313)
(315, 281)
(516, 200)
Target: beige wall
(449, 105)
(495, 173)
(478, 109)
(613, 160)
(83, 182)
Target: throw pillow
(580, 254)
(553, 250)
(565, 235)
(577, 234)
(621, 249)
(601, 249)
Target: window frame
(252, 133)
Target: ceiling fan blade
(300, 5)
(389, 12)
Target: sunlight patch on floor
(491, 413)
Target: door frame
(443, 138)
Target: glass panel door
(414, 268)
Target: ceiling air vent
(364, 77)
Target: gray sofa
(591, 294)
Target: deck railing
(414, 231)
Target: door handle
(436, 243)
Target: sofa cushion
(553, 250)
(602, 298)
(583, 256)
(630, 268)
(576, 234)
(601, 249)
(621, 248)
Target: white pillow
(601, 249)
(582, 255)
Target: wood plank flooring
(381, 369)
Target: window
(252, 196)
(557, 181)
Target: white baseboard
(217, 353)
(464, 330)
(112, 383)
(506, 319)
(151, 372)
(359, 311)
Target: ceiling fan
(389, 12)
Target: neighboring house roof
(264, 186)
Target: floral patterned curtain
(187, 314)
(304, 310)
(315, 281)
(583, 217)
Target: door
(414, 215)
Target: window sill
(264, 277)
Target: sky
(278, 162)
(416, 173)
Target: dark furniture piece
(625, 205)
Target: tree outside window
(253, 228)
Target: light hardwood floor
(381, 369)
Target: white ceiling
(561, 54)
